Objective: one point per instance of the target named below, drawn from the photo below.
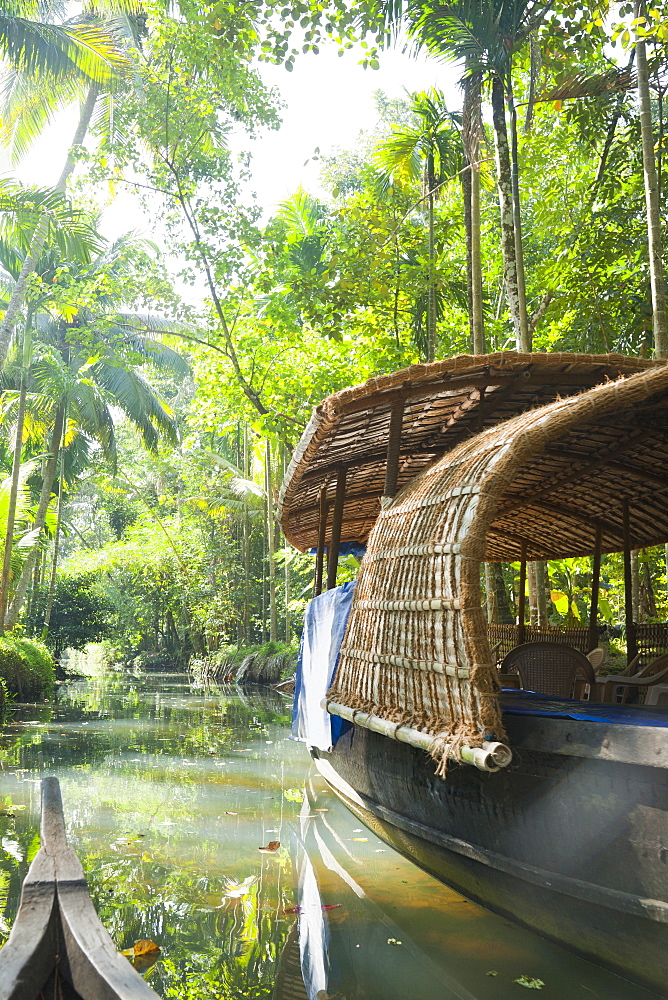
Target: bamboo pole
(394, 447)
(337, 522)
(489, 757)
(320, 552)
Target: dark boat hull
(571, 840)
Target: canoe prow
(57, 935)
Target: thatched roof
(416, 648)
(444, 403)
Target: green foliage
(26, 667)
(80, 614)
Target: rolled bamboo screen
(416, 649)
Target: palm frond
(86, 51)
(28, 103)
(140, 403)
(578, 84)
(302, 215)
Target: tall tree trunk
(635, 584)
(490, 594)
(477, 322)
(431, 315)
(14, 489)
(533, 593)
(525, 333)
(466, 193)
(40, 517)
(56, 539)
(471, 133)
(504, 613)
(542, 587)
(17, 299)
(505, 185)
(651, 197)
(288, 624)
(246, 544)
(273, 620)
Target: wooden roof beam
(494, 376)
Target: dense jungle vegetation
(143, 438)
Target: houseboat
(505, 783)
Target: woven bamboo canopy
(580, 474)
(426, 410)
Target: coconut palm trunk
(651, 197)
(18, 296)
(505, 185)
(471, 132)
(525, 333)
(40, 518)
(431, 314)
(56, 539)
(14, 489)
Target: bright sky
(328, 101)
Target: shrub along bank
(26, 668)
(264, 664)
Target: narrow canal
(169, 797)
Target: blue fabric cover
(325, 622)
(532, 703)
(356, 549)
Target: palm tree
(80, 369)
(77, 47)
(430, 150)
(484, 35)
(74, 57)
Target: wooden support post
(521, 603)
(337, 521)
(595, 584)
(394, 447)
(631, 645)
(320, 551)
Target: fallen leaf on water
(530, 983)
(271, 847)
(491, 973)
(142, 947)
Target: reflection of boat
(58, 947)
(572, 837)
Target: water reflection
(168, 796)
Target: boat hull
(571, 840)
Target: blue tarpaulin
(532, 703)
(324, 625)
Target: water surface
(169, 795)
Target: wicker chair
(548, 667)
